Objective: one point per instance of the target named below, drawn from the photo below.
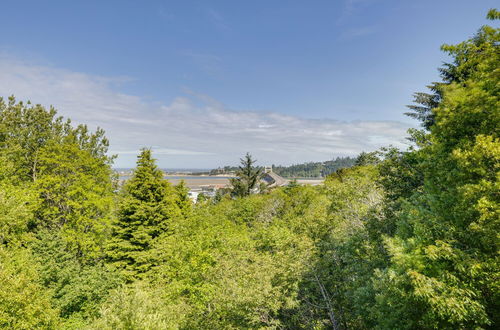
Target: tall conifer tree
(148, 204)
(248, 177)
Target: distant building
(193, 194)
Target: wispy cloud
(192, 130)
(357, 32)
(352, 7)
(216, 18)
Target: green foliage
(55, 197)
(24, 304)
(367, 158)
(336, 291)
(76, 196)
(77, 288)
(247, 178)
(425, 103)
(402, 240)
(138, 307)
(63, 171)
(306, 170)
(183, 200)
(145, 211)
(444, 258)
(237, 268)
(493, 14)
(25, 129)
(16, 214)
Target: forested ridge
(405, 239)
(305, 170)
(314, 169)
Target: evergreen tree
(444, 257)
(147, 205)
(248, 177)
(367, 158)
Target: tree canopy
(395, 239)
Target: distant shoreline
(229, 175)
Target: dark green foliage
(147, 205)
(444, 255)
(247, 179)
(425, 103)
(77, 288)
(314, 169)
(493, 14)
(367, 158)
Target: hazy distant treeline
(314, 169)
(305, 170)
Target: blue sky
(202, 82)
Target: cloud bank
(193, 130)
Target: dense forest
(405, 239)
(314, 169)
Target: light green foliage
(56, 197)
(16, 214)
(239, 264)
(76, 196)
(24, 304)
(139, 307)
(148, 205)
(336, 290)
(25, 129)
(67, 167)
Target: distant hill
(314, 169)
(305, 170)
